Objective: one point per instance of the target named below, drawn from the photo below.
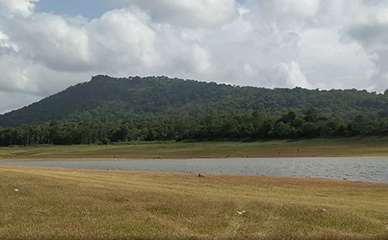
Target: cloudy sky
(48, 45)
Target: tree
(311, 115)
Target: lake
(363, 169)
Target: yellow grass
(337, 147)
(85, 204)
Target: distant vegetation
(221, 126)
(107, 110)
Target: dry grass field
(44, 203)
(336, 147)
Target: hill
(107, 99)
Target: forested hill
(108, 99)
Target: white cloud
(53, 41)
(19, 7)
(278, 43)
(280, 8)
(123, 41)
(286, 75)
(6, 45)
(198, 13)
(330, 59)
(370, 33)
(291, 75)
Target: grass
(86, 204)
(335, 147)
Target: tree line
(217, 126)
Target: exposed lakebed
(353, 169)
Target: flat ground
(336, 147)
(43, 203)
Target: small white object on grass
(240, 212)
(16, 190)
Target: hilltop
(108, 99)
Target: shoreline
(283, 178)
(320, 147)
(181, 174)
(47, 159)
(261, 167)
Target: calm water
(353, 169)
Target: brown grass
(85, 204)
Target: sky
(49, 45)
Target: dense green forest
(108, 110)
(219, 126)
(113, 100)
